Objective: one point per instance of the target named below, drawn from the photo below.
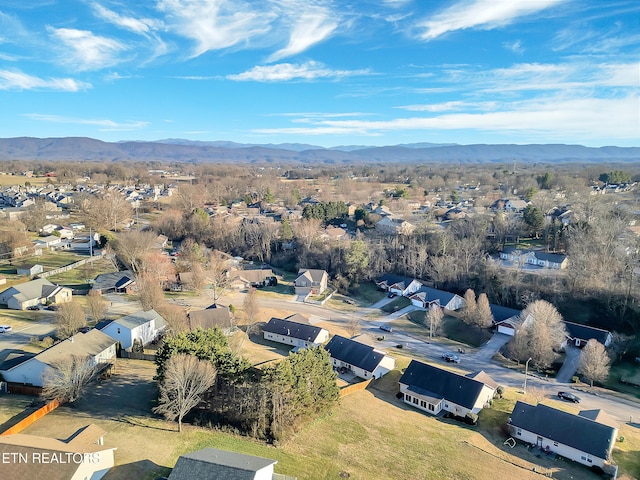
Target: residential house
(515, 205)
(583, 438)
(505, 319)
(114, 282)
(426, 296)
(214, 316)
(579, 335)
(394, 226)
(311, 282)
(434, 389)
(142, 326)
(364, 361)
(399, 285)
(252, 278)
(214, 464)
(29, 269)
(50, 242)
(554, 261)
(36, 292)
(99, 349)
(33, 456)
(292, 332)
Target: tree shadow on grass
(142, 470)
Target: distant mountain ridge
(177, 150)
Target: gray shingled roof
(354, 353)
(301, 331)
(81, 344)
(584, 332)
(578, 432)
(214, 464)
(140, 318)
(461, 390)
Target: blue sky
(378, 72)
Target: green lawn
(627, 370)
(85, 272)
(452, 328)
(368, 294)
(397, 304)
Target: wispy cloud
(441, 107)
(137, 25)
(480, 14)
(87, 51)
(17, 80)
(104, 124)
(215, 25)
(551, 118)
(515, 47)
(283, 72)
(310, 28)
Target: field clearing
(85, 272)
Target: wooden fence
(20, 389)
(138, 355)
(25, 422)
(356, 387)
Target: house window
(407, 397)
(555, 444)
(118, 330)
(432, 407)
(423, 404)
(415, 401)
(518, 431)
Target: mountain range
(177, 150)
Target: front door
(540, 442)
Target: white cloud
(288, 71)
(481, 14)
(136, 25)
(515, 47)
(17, 80)
(105, 124)
(577, 118)
(310, 28)
(216, 24)
(88, 51)
(435, 107)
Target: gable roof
(599, 416)
(289, 328)
(30, 290)
(106, 281)
(584, 332)
(431, 295)
(140, 318)
(439, 383)
(214, 464)
(389, 279)
(312, 274)
(253, 276)
(354, 353)
(483, 377)
(500, 313)
(211, 317)
(81, 344)
(550, 257)
(576, 431)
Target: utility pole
(526, 371)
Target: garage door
(506, 330)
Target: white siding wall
(265, 473)
(385, 366)
(559, 448)
(30, 372)
(323, 336)
(119, 334)
(411, 398)
(486, 394)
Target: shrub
(471, 418)
(500, 391)
(575, 379)
(47, 342)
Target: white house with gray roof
(142, 326)
(295, 331)
(98, 348)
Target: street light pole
(526, 371)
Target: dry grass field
(369, 435)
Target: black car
(451, 358)
(569, 396)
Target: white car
(5, 328)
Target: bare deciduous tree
(175, 316)
(594, 362)
(68, 319)
(484, 317)
(68, 378)
(106, 211)
(353, 326)
(132, 246)
(470, 309)
(251, 307)
(186, 379)
(96, 305)
(434, 320)
(150, 291)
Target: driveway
(398, 314)
(570, 364)
(489, 349)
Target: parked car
(51, 307)
(569, 396)
(5, 328)
(450, 357)
(386, 328)
(35, 307)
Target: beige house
(36, 292)
(311, 282)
